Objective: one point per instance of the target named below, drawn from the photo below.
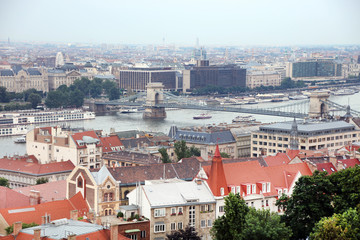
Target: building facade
(314, 69)
(262, 78)
(220, 76)
(136, 79)
(274, 138)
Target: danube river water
(180, 118)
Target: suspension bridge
(155, 101)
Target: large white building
(263, 78)
(49, 144)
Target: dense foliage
(318, 196)
(4, 182)
(41, 181)
(164, 155)
(188, 234)
(183, 151)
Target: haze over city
(215, 22)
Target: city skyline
(232, 23)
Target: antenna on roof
(164, 173)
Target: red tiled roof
(11, 198)
(350, 162)
(217, 173)
(56, 210)
(328, 167)
(278, 159)
(80, 135)
(292, 153)
(48, 191)
(282, 176)
(109, 142)
(35, 168)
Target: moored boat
(202, 116)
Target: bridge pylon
(154, 96)
(319, 109)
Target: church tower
(217, 180)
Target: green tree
(4, 182)
(164, 155)
(194, 151)
(4, 95)
(188, 234)
(263, 224)
(224, 155)
(108, 86)
(34, 99)
(76, 98)
(55, 99)
(346, 194)
(231, 225)
(28, 92)
(310, 201)
(180, 149)
(10, 229)
(339, 226)
(41, 181)
(114, 93)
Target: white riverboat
(10, 120)
(13, 130)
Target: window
(203, 223)
(222, 191)
(173, 211)
(238, 189)
(233, 190)
(264, 187)
(268, 187)
(285, 191)
(172, 226)
(143, 234)
(209, 208)
(79, 182)
(280, 192)
(159, 227)
(202, 208)
(209, 223)
(159, 212)
(248, 189)
(133, 236)
(253, 188)
(192, 216)
(180, 210)
(267, 202)
(221, 209)
(180, 225)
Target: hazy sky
(221, 22)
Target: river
(180, 118)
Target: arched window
(106, 212)
(106, 197)
(110, 196)
(109, 211)
(125, 194)
(79, 182)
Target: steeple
(217, 179)
(294, 144)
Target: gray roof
(183, 193)
(6, 72)
(208, 138)
(33, 71)
(101, 175)
(309, 127)
(60, 229)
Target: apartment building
(172, 206)
(263, 78)
(274, 138)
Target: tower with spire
(294, 143)
(217, 180)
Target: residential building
(37, 213)
(111, 144)
(263, 78)
(259, 186)
(25, 170)
(171, 206)
(314, 68)
(126, 158)
(18, 79)
(206, 138)
(59, 144)
(136, 79)
(274, 138)
(99, 188)
(220, 76)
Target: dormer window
(222, 191)
(238, 189)
(285, 191)
(280, 192)
(233, 190)
(248, 189)
(79, 182)
(254, 188)
(268, 187)
(264, 187)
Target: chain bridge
(155, 101)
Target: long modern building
(278, 137)
(220, 76)
(314, 69)
(136, 79)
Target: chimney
(114, 232)
(43, 220)
(74, 215)
(17, 228)
(113, 166)
(37, 234)
(71, 237)
(34, 197)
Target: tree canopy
(183, 151)
(41, 181)
(188, 234)
(4, 182)
(34, 99)
(164, 155)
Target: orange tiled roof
(48, 191)
(24, 166)
(328, 167)
(278, 159)
(350, 162)
(11, 198)
(56, 209)
(111, 141)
